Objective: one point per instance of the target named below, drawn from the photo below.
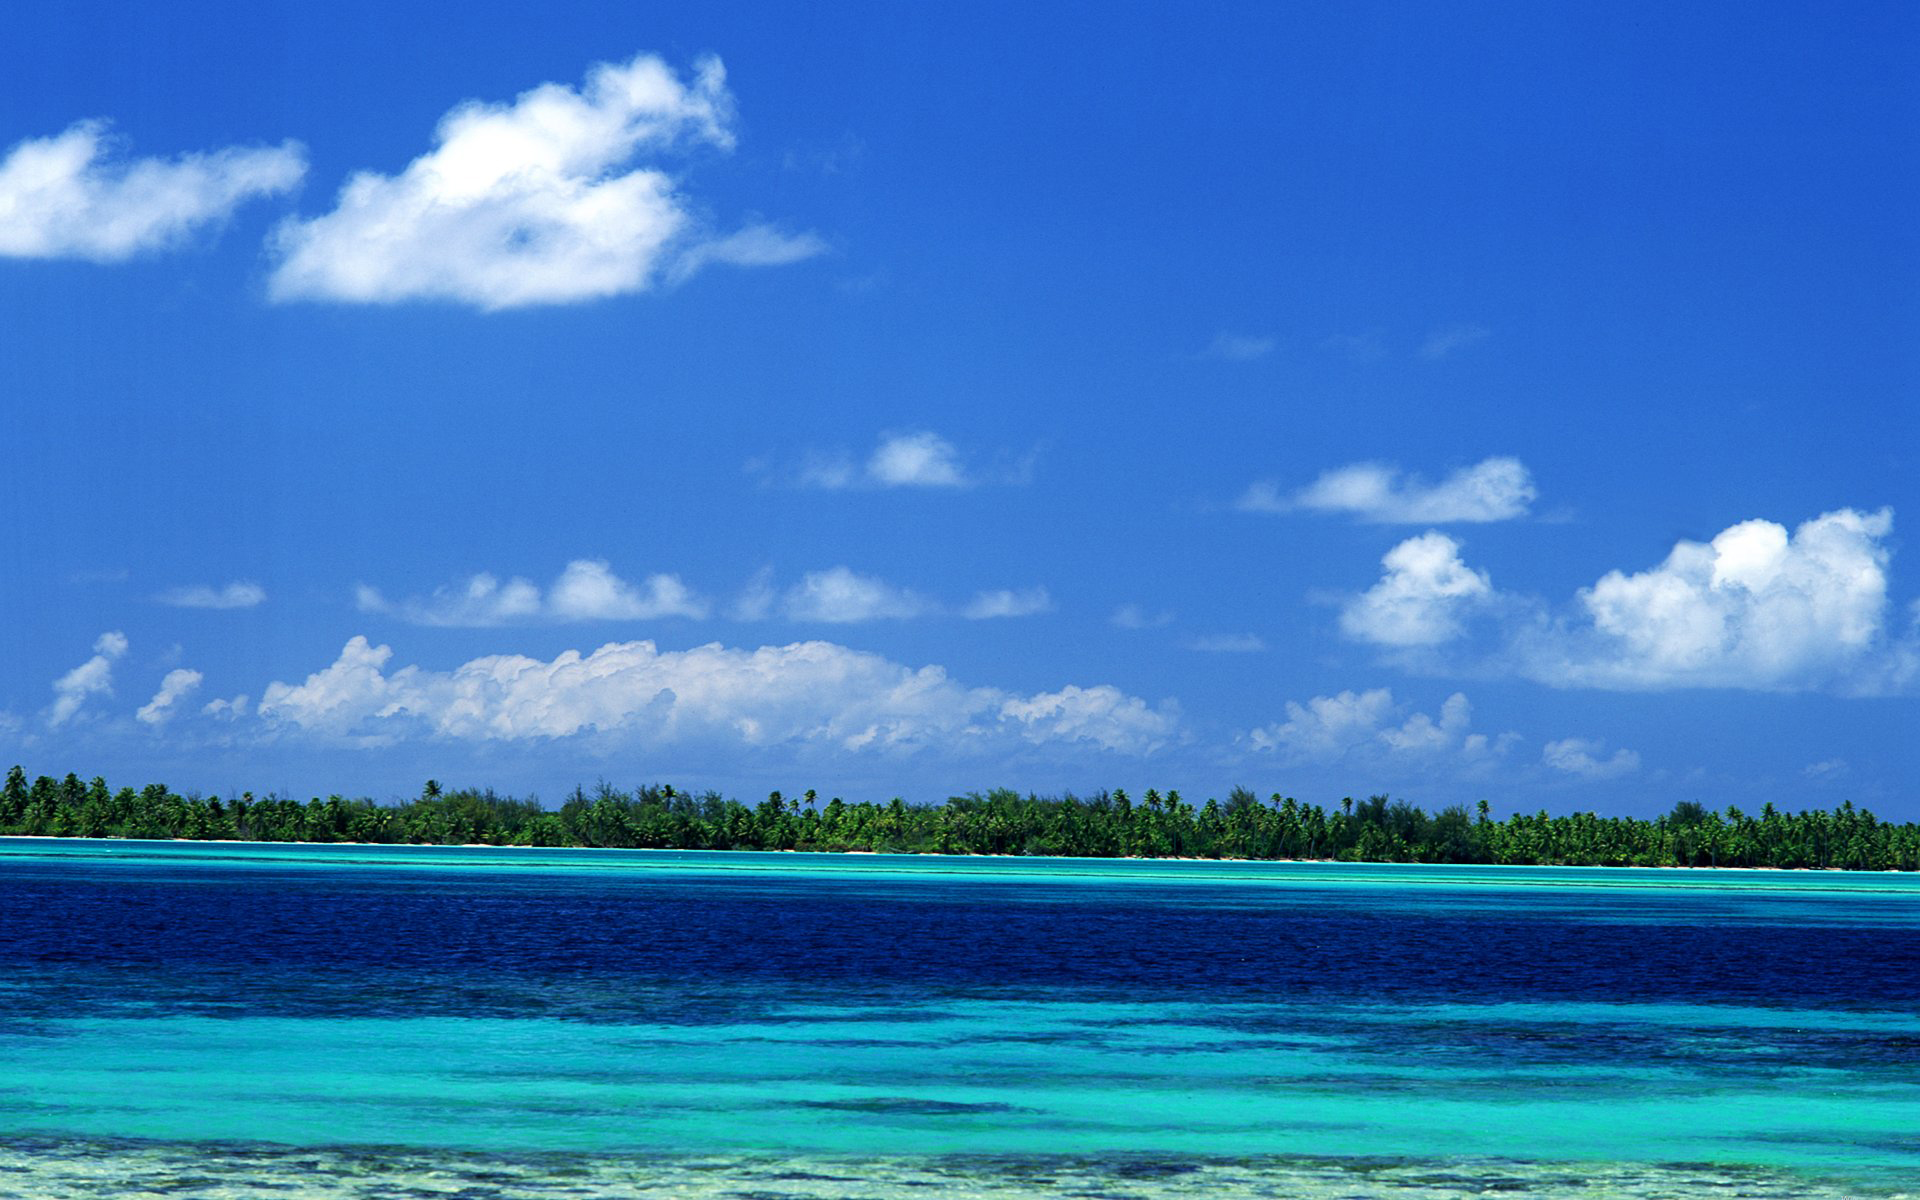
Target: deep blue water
(227, 1003)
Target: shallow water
(346, 1021)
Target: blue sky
(1470, 401)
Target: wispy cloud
(1495, 489)
(93, 677)
(1228, 643)
(534, 202)
(1448, 339)
(239, 594)
(1133, 616)
(1582, 757)
(227, 708)
(1007, 602)
(177, 686)
(587, 590)
(1239, 347)
(909, 459)
(73, 196)
(841, 596)
(1827, 770)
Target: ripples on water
(86, 1170)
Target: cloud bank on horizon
(805, 692)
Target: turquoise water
(477, 1022)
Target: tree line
(1105, 824)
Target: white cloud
(1103, 716)
(841, 596)
(915, 458)
(1263, 496)
(1449, 338)
(239, 594)
(1228, 643)
(67, 196)
(1421, 598)
(587, 590)
(1827, 770)
(1756, 607)
(227, 709)
(177, 686)
(532, 202)
(1581, 756)
(754, 246)
(1363, 726)
(1005, 602)
(1238, 347)
(91, 678)
(1496, 489)
(807, 693)
(1133, 616)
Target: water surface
(350, 1019)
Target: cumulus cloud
(239, 594)
(1755, 607)
(587, 590)
(841, 596)
(533, 202)
(807, 693)
(73, 196)
(911, 459)
(1581, 756)
(1422, 597)
(91, 678)
(177, 686)
(1238, 347)
(1005, 602)
(1496, 489)
(1366, 726)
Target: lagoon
(356, 1020)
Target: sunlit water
(188, 1019)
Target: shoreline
(928, 854)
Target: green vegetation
(1110, 824)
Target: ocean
(242, 1020)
